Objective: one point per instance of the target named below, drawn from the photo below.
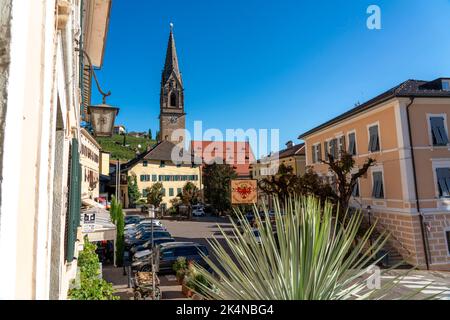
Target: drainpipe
(423, 233)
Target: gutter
(422, 229)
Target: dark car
(132, 219)
(148, 244)
(144, 237)
(168, 253)
(141, 230)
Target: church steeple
(171, 65)
(172, 116)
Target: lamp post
(151, 213)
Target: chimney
(289, 144)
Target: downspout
(423, 233)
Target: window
(334, 148)
(144, 193)
(179, 191)
(447, 236)
(374, 142)
(173, 99)
(355, 193)
(154, 178)
(438, 132)
(378, 187)
(145, 163)
(443, 180)
(163, 164)
(325, 148)
(341, 142)
(446, 85)
(163, 191)
(171, 193)
(352, 144)
(316, 153)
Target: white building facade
(40, 174)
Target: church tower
(172, 116)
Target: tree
(133, 189)
(308, 257)
(150, 136)
(346, 180)
(311, 184)
(217, 183)
(158, 136)
(155, 194)
(190, 196)
(118, 218)
(281, 185)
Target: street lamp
(101, 116)
(151, 213)
(102, 119)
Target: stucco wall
(153, 168)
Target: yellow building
(156, 165)
(405, 130)
(90, 166)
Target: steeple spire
(171, 64)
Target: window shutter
(325, 147)
(374, 144)
(313, 153)
(377, 191)
(319, 152)
(440, 137)
(443, 176)
(352, 144)
(74, 201)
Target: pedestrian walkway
(433, 282)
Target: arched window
(173, 99)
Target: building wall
(104, 163)
(154, 168)
(41, 119)
(90, 166)
(398, 210)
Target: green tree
(91, 287)
(150, 136)
(120, 238)
(217, 185)
(190, 196)
(155, 194)
(158, 136)
(133, 189)
(309, 257)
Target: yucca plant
(308, 256)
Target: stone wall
(5, 39)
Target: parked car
(132, 219)
(167, 254)
(135, 232)
(148, 245)
(144, 237)
(198, 212)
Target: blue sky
(272, 64)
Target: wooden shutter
(73, 220)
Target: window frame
(348, 142)
(378, 170)
(369, 126)
(430, 130)
(316, 154)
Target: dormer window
(446, 85)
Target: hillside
(114, 145)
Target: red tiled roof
(237, 154)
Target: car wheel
(146, 269)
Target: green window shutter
(443, 177)
(352, 144)
(374, 143)
(438, 131)
(74, 200)
(378, 191)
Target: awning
(91, 203)
(100, 228)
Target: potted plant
(180, 267)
